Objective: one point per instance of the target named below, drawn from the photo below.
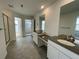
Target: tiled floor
(24, 48)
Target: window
(16, 24)
(28, 26)
(77, 28)
(43, 25)
(77, 24)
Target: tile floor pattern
(24, 48)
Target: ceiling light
(42, 7)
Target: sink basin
(66, 42)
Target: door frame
(4, 27)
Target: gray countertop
(74, 49)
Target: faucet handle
(71, 38)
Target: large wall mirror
(69, 19)
(42, 23)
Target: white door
(3, 51)
(6, 28)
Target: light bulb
(42, 7)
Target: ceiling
(71, 7)
(30, 7)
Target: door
(6, 28)
(3, 51)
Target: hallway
(24, 48)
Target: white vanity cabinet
(63, 56)
(55, 51)
(38, 41)
(52, 53)
(35, 38)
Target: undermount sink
(66, 42)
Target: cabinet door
(52, 53)
(35, 38)
(63, 56)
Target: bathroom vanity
(57, 50)
(40, 39)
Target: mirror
(69, 19)
(42, 23)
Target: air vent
(22, 5)
(10, 5)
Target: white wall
(68, 20)
(52, 14)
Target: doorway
(28, 26)
(18, 27)
(6, 28)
